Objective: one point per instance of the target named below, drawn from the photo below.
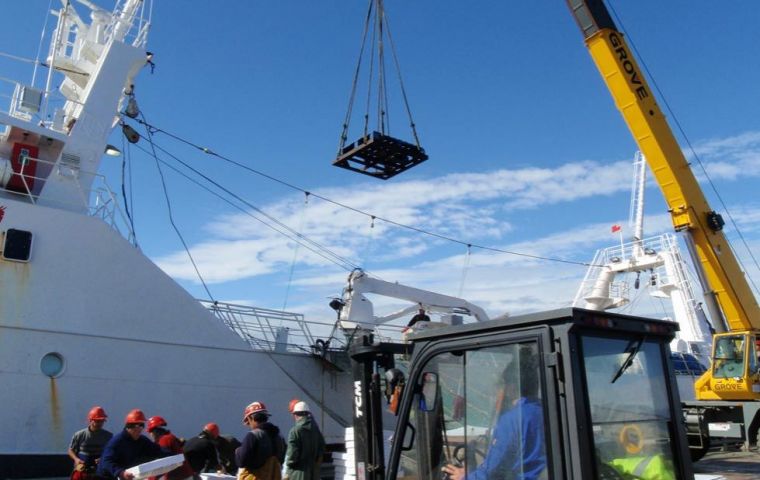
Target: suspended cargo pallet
(380, 156)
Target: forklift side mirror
(429, 391)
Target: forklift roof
(579, 316)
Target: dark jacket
(255, 450)
(122, 452)
(225, 447)
(306, 445)
(278, 443)
(201, 453)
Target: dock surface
(729, 466)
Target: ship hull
(127, 336)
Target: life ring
(631, 438)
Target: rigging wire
(383, 115)
(370, 76)
(465, 269)
(695, 155)
(42, 40)
(171, 215)
(352, 96)
(127, 208)
(370, 243)
(401, 83)
(412, 228)
(295, 251)
(309, 244)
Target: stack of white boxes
(345, 463)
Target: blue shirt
(517, 450)
(122, 452)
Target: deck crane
(728, 394)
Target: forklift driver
(517, 448)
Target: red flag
(2, 212)
(616, 228)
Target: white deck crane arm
(359, 311)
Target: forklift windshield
(628, 404)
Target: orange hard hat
(212, 428)
(155, 422)
(292, 404)
(255, 407)
(97, 413)
(135, 416)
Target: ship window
(52, 364)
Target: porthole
(52, 364)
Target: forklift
(564, 394)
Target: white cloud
(481, 208)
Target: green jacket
(306, 445)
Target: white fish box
(216, 476)
(157, 467)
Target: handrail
(104, 202)
(264, 329)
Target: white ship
(87, 319)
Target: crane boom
(686, 202)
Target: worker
(262, 451)
(169, 442)
(306, 446)
(420, 317)
(517, 448)
(653, 467)
(225, 447)
(201, 451)
(128, 448)
(87, 445)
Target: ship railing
(98, 201)
(137, 28)
(624, 253)
(31, 104)
(266, 329)
(287, 332)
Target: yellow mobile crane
(734, 374)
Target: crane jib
(635, 78)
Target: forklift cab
(566, 394)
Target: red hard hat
(255, 407)
(155, 422)
(135, 416)
(292, 404)
(212, 428)
(97, 413)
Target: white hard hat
(301, 407)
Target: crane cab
(735, 370)
(566, 394)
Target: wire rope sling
(376, 153)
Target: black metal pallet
(380, 156)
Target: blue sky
(527, 151)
